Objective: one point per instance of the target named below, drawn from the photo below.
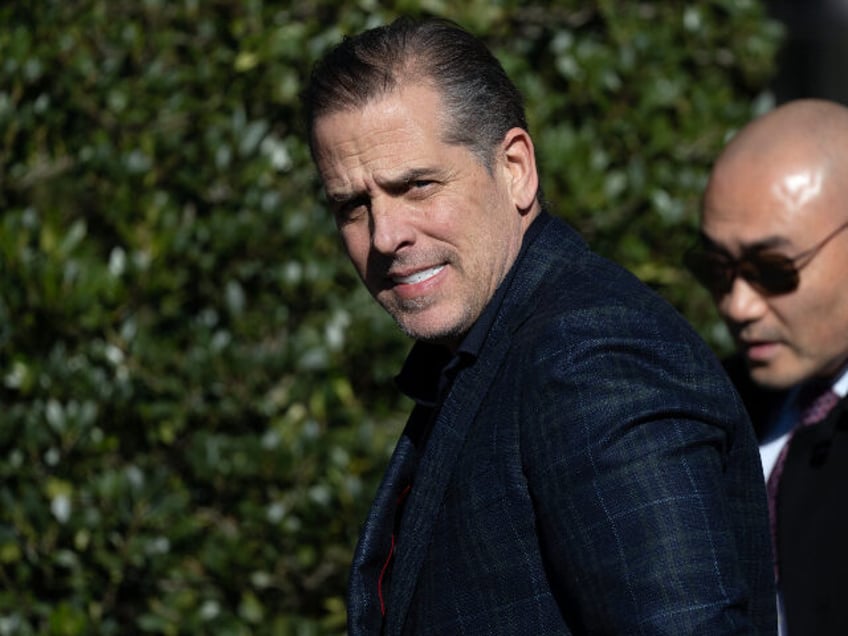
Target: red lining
(391, 554)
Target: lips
(417, 277)
(760, 350)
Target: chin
(776, 379)
(440, 336)
(435, 332)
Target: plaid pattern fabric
(592, 472)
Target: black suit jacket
(592, 472)
(812, 525)
(812, 517)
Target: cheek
(830, 318)
(819, 320)
(356, 243)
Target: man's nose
(742, 304)
(392, 225)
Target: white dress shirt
(777, 433)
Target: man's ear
(520, 162)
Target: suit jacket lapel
(446, 441)
(364, 614)
(431, 481)
(454, 420)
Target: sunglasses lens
(711, 269)
(770, 273)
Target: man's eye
(419, 187)
(349, 211)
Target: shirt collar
(840, 386)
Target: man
(774, 253)
(576, 462)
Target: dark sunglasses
(769, 272)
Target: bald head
(779, 193)
(793, 153)
(805, 122)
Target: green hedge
(196, 399)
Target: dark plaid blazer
(593, 472)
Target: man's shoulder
(568, 299)
(571, 283)
(561, 260)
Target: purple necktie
(815, 403)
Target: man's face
(787, 207)
(429, 229)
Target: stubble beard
(405, 312)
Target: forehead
(389, 135)
(754, 201)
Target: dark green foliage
(196, 399)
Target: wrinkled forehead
(398, 134)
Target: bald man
(773, 252)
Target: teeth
(417, 277)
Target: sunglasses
(767, 271)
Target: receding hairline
(391, 90)
(438, 53)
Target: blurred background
(811, 60)
(196, 400)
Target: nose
(742, 304)
(391, 225)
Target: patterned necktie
(815, 401)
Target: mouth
(759, 350)
(415, 278)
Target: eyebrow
(394, 183)
(403, 179)
(340, 197)
(770, 242)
